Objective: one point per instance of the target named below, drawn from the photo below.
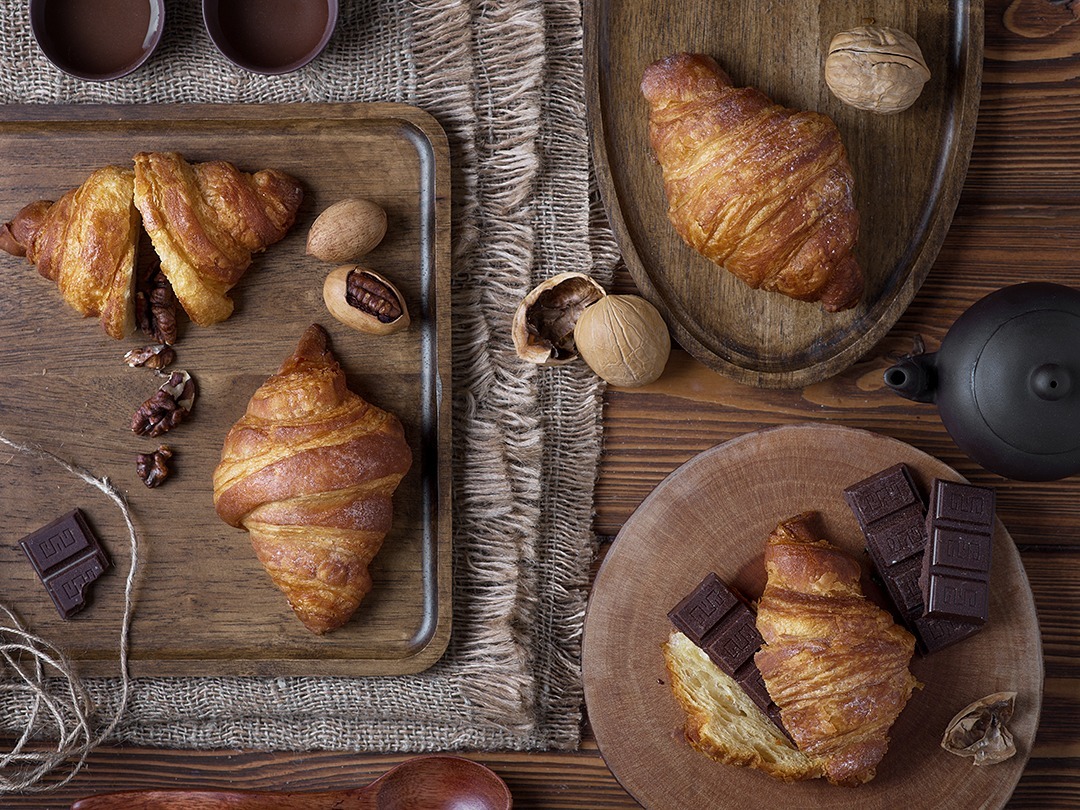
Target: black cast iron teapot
(1006, 381)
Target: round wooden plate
(713, 514)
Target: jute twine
(36, 670)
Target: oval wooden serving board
(713, 514)
(908, 167)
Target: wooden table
(1018, 219)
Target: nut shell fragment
(543, 326)
(624, 339)
(876, 68)
(364, 300)
(979, 730)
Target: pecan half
(152, 467)
(155, 356)
(155, 307)
(167, 408)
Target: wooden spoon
(423, 783)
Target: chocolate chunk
(955, 576)
(719, 621)
(67, 558)
(889, 510)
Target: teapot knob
(1051, 382)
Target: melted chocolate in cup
(97, 40)
(270, 36)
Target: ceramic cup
(97, 40)
(270, 36)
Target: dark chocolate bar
(717, 619)
(66, 557)
(955, 576)
(890, 512)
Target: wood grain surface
(908, 169)
(204, 604)
(1018, 219)
(713, 514)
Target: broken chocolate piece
(889, 510)
(67, 557)
(955, 576)
(719, 621)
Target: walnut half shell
(543, 326)
(979, 731)
(876, 68)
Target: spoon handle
(359, 799)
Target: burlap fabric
(504, 78)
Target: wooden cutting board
(204, 606)
(714, 514)
(908, 168)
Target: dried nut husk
(623, 339)
(979, 731)
(876, 68)
(346, 231)
(543, 326)
(362, 299)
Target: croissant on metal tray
(206, 220)
(309, 471)
(835, 663)
(86, 243)
(761, 190)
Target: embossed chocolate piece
(955, 576)
(716, 618)
(890, 512)
(67, 557)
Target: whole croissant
(206, 219)
(86, 243)
(835, 663)
(309, 471)
(761, 190)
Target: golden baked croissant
(309, 471)
(835, 663)
(85, 242)
(761, 190)
(206, 219)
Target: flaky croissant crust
(835, 663)
(309, 471)
(761, 190)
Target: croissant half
(309, 471)
(85, 242)
(835, 663)
(761, 190)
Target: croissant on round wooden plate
(763, 191)
(835, 663)
(309, 470)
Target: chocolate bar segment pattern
(67, 557)
(955, 576)
(889, 510)
(716, 618)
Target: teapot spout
(914, 377)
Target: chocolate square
(703, 608)
(67, 557)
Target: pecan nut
(152, 468)
(365, 301)
(167, 408)
(155, 356)
(155, 307)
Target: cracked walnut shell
(543, 326)
(876, 68)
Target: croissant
(206, 220)
(760, 190)
(309, 471)
(834, 662)
(85, 242)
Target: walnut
(155, 356)
(979, 731)
(624, 339)
(152, 468)
(543, 325)
(167, 408)
(155, 307)
(876, 68)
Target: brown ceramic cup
(97, 40)
(270, 36)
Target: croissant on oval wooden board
(763, 191)
(309, 471)
(834, 662)
(205, 221)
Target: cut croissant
(206, 220)
(85, 242)
(309, 471)
(835, 663)
(761, 190)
